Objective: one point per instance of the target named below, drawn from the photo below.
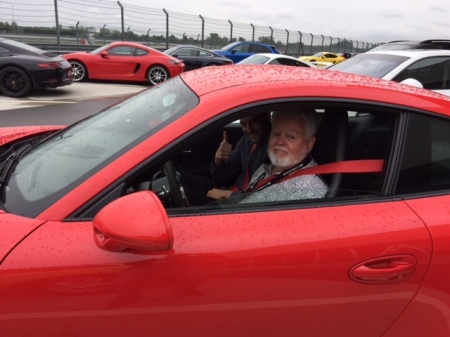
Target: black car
(409, 44)
(24, 68)
(196, 57)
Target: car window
(370, 64)
(140, 52)
(346, 133)
(256, 48)
(242, 48)
(186, 52)
(426, 159)
(433, 73)
(121, 51)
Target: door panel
(263, 273)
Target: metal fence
(79, 24)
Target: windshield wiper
(8, 166)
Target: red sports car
(124, 61)
(99, 238)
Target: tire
(15, 82)
(79, 71)
(157, 74)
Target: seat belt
(346, 166)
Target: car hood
(14, 229)
(10, 134)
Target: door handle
(388, 269)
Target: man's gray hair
(307, 117)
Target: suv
(237, 51)
(408, 44)
(429, 69)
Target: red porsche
(124, 61)
(100, 238)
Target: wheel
(177, 188)
(157, 74)
(79, 71)
(15, 82)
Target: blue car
(237, 51)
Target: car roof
(344, 85)
(413, 53)
(413, 44)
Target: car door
(189, 57)
(116, 63)
(308, 268)
(266, 272)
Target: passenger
(234, 167)
(290, 143)
(231, 169)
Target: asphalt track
(65, 105)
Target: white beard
(285, 161)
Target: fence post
(167, 28)
(271, 36)
(339, 44)
(148, 36)
(331, 43)
(253, 32)
(287, 42)
(310, 46)
(231, 30)
(76, 26)
(104, 34)
(122, 20)
(57, 25)
(321, 48)
(203, 31)
(300, 45)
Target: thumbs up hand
(223, 153)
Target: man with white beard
(290, 143)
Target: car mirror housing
(104, 54)
(137, 221)
(413, 82)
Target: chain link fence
(78, 24)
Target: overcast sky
(374, 21)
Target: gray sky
(375, 21)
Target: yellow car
(323, 57)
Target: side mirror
(104, 54)
(174, 55)
(137, 221)
(233, 51)
(413, 82)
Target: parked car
(277, 59)
(98, 235)
(430, 68)
(237, 51)
(24, 68)
(323, 57)
(196, 57)
(411, 44)
(124, 61)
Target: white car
(279, 59)
(431, 68)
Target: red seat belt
(346, 166)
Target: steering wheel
(177, 188)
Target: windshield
(49, 171)
(254, 59)
(24, 46)
(374, 65)
(229, 46)
(100, 49)
(170, 50)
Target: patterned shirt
(308, 186)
